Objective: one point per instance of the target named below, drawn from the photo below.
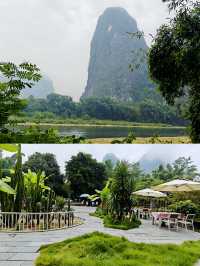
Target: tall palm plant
(121, 189)
(17, 182)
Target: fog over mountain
(56, 35)
(40, 90)
(111, 157)
(150, 161)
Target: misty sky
(132, 153)
(56, 34)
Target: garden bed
(126, 224)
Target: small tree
(174, 59)
(121, 189)
(59, 203)
(15, 79)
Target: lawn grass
(98, 249)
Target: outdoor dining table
(160, 216)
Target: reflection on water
(93, 132)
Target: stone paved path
(22, 249)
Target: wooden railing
(35, 222)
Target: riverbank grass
(149, 140)
(98, 249)
(29, 121)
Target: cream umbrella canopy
(178, 185)
(149, 193)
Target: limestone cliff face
(112, 51)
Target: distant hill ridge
(40, 90)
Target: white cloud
(56, 35)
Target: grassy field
(87, 122)
(160, 140)
(98, 249)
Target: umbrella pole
(151, 203)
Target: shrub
(125, 224)
(110, 222)
(185, 207)
(60, 203)
(100, 213)
(35, 134)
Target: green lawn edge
(99, 249)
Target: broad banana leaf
(95, 198)
(6, 188)
(6, 179)
(9, 147)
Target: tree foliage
(85, 174)
(47, 163)
(23, 191)
(174, 59)
(181, 168)
(62, 107)
(15, 79)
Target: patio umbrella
(179, 185)
(84, 196)
(149, 193)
